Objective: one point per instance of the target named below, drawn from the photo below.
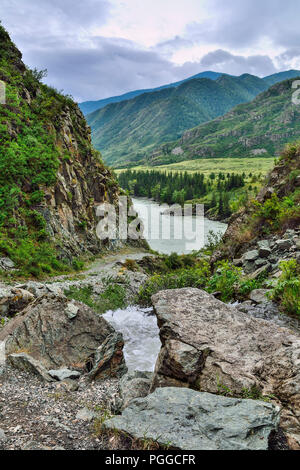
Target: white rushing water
(141, 336)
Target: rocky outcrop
(57, 332)
(210, 346)
(63, 201)
(13, 300)
(264, 256)
(108, 360)
(188, 420)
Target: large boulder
(210, 346)
(189, 420)
(57, 332)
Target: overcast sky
(94, 49)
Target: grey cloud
(110, 67)
(237, 23)
(224, 61)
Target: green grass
(208, 165)
(112, 298)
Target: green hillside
(260, 128)
(128, 130)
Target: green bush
(287, 289)
(225, 280)
(112, 298)
(192, 277)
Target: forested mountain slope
(126, 131)
(261, 127)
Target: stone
(251, 255)
(26, 363)
(63, 374)
(260, 272)
(264, 248)
(86, 415)
(135, 385)
(207, 344)
(47, 333)
(2, 435)
(108, 360)
(6, 264)
(13, 300)
(72, 310)
(259, 296)
(284, 244)
(189, 420)
(260, 262)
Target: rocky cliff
(51, 177)
(275, 211)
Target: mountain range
(259, 128)
(91, 106)
(129, 130)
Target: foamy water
(141, 336)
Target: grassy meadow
(255, 165)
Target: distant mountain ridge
(91, 106)
(128, 130)
(88, 107)
(259, 128)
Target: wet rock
(108, 360)
(24, 362)
(189, 420)
(135, 385)
(259, 296)
(63, 374)
(51, 337)
(206, 343)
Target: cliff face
(275, 210)
(51, 177)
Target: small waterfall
(141, 336)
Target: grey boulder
(208, 345)
(259, 296)
(52, 336)
(135, 385)
(188, 420)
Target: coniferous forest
(217, 191)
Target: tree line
(178, 188)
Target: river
(139, 325)
(181, 242)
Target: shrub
(225, 280)
(192, 277)
(287, 289)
